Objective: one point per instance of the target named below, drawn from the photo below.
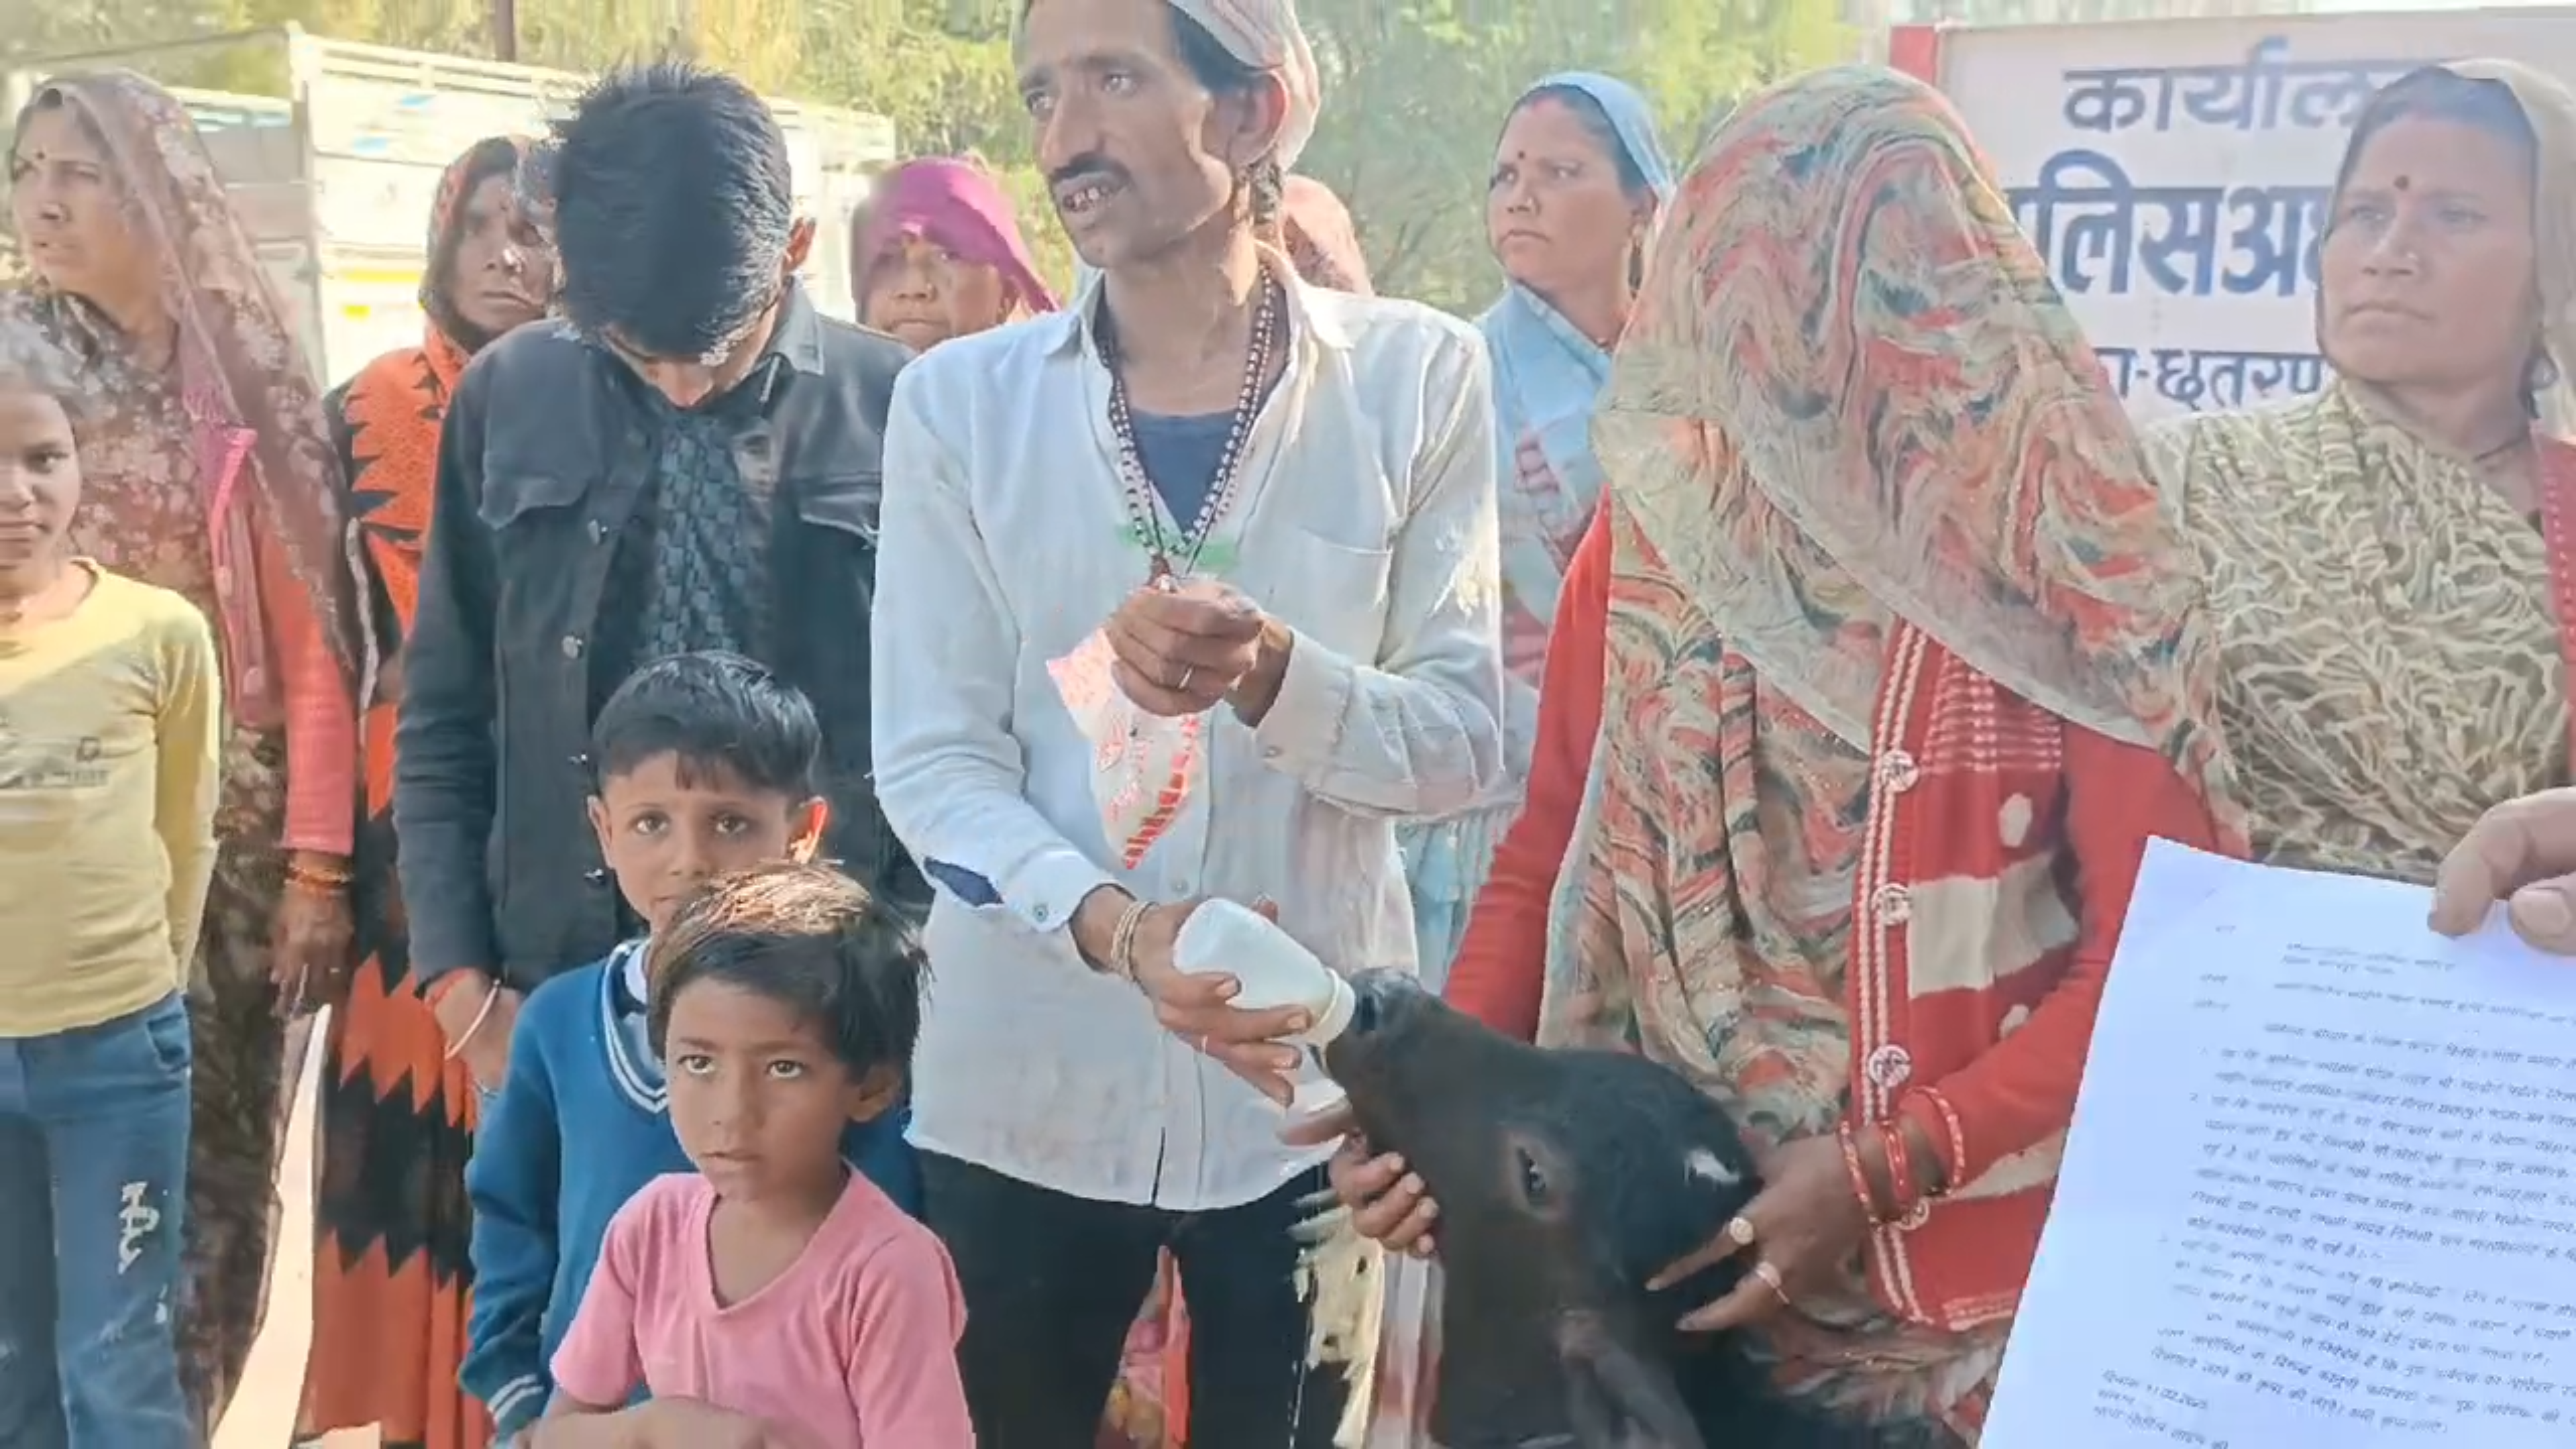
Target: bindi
(2405, 182)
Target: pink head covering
(1317, 232)
(957, 205)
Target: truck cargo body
(335, 181)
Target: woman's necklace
(1142, 509)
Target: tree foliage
(1415, 90)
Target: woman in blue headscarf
(1578, 179)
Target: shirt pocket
(850, 503)
(516, 499)
(537, 472)
(1333, 592)
(538, 527)
(540, 537)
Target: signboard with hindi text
(2175, 174)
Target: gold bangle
(1122, 939)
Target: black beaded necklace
(1171, 557)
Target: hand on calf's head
(1565, 1181)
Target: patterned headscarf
(2550, 107)
(502, 156)
(242, 373)
(391, 412)
(1848, 368)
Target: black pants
(1054, 1282)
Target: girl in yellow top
(108, 731)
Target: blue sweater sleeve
(882, 1156)
(513, 1181)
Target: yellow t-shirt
(110, 729)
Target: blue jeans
(93, 1180)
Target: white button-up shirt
(1364, 519)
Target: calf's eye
(1533, 1179)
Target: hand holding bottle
(1229, 981)
(1222, 977)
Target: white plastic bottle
(1274, 970)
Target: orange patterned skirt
(392, 1234)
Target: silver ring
(1739, 1231)
(1186, 672)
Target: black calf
(1566, 1179)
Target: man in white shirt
(1314, 472)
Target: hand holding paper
(2321, 1186)
(2523, 853)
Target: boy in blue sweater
(705, 763)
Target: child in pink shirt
(775, 1299)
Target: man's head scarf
(1265, 35)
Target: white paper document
(2321, 1188)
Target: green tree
(1415, 90)
(941, 70)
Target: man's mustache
(1087, 168)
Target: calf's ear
(1617, 1400)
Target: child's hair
(715, 711)
(806, 936)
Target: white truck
(334, 180)
(2174, 173)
